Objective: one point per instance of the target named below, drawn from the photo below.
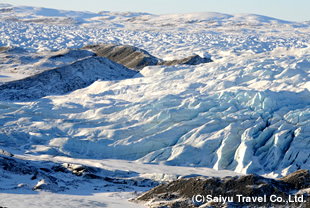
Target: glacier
(247, 111)
(238, 118)
(89, 130)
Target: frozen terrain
(229, 189)
(29, 180)
(247, 111)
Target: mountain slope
(64, 79)
(136, 58)
(129, 56)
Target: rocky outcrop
(11, 49)
(136, 58)
(19, 174)
(297, 180)
(12, 165)
(4, 48)
(249, 190)
(65, 79)
(129, 56)
(79, 68)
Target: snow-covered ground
(37, 181)
(51, 200)
(248, 111)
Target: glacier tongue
(179, 115)
(247, 111)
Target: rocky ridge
(137, 58)
(239, 191)
(75, 68)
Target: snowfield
(247, 111)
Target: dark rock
(136, 58)
(34, 177)
(55, 177)
(93, 176)
(10, 49)
(60, 168)
(129, 56)
(4, 48)
(78, 170)
(45, 170)
(15, 166)
(297, 180)
(180, 192)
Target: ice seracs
(65, 113)
(248, 105)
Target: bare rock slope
(129, 56)
(136, 58)
(180, 193)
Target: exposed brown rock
(129, 56)
(136, 58)
(297, 180)
(180, 192)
